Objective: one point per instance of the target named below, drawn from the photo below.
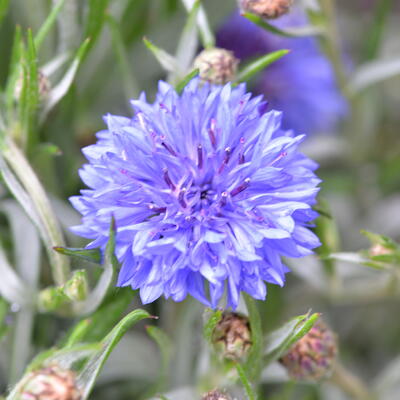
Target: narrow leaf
(259, 65)
(129, 84)
(110, 265)
(372, 73)
(4, 309)
(168, 62)
(48, 24)
(3, 9)
(12, 288)
(95, 20)
(165, 346)
(253, 364)
(207, 36)
(15, 69)
(182, 84)
(62, 88)
(292, 33)
(210, 325)
(91, 255)
(30, 92)
(88, 375)
(187, 44)
(355, 258)
(375, 32)
(280, 341)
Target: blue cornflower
(302, 84)
(207, 193)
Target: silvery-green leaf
(58, 92)
(387, 383)
(87, 377)
(349, 257)
(165, 346)
(12, 287)
(187, 44)
(27, 260)
(372, 73)
(168, 62)
(207, 36)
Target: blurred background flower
(302, 84)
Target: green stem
(246, 383)
(331, 41)
(350, 384)
(49, 227)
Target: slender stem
(350, 384)
(21, 347)
(332, 44)
(251, 395)
(49, 227)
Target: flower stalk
(350, 384)
(48, 225)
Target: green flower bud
(312, 357)
(268, 9)
(215, 395)
(216, 65)
(232, 336)
(50, 383)
(52, 298)
(76, 289)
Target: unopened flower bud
(76, 288)
(215, 395)
(52, 298)
(216, 65)
(232, 336)
(312, 357)
(43, 86)
(51, 383)
(268, 9)
(379, 250)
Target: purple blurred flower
(301, 84)
(207, 192)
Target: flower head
(232, 336)
(50, 383)
(312, 357)
(207, 192)
(302, 84)
(215, 395)
(216, 65)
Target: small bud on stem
(268, 9)
(232, 336)
(215, 395)
(216, 65)
(312, 357)
(51, 383)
